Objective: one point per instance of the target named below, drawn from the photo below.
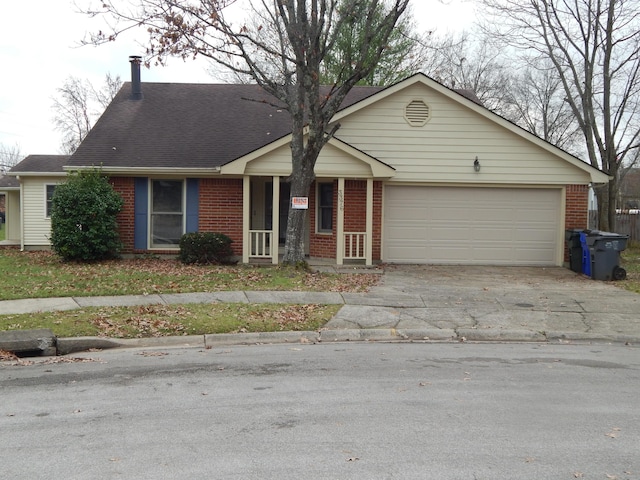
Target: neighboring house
(28, 215)
(417, 173)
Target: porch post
(246, 217)
(369, 224)
(340, 223)
(275, 221)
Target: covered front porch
(329, 229)
(343, 207)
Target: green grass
(42, 274)
(163, 320)
(631, 263)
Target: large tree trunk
(602, 196)
(611, 213)
(302, 175)
(294, 247)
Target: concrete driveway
(493, 303)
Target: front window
(325, 207)
(49, 199)
(167, 213)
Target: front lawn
(165, 320)
(42, 274)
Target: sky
(39, 50)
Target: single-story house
(416, 173)
(32, 183)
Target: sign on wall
(300, 203)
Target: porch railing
(260, 242)
(355, 245)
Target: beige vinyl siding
(443, 150)
(37, 228)
(332, 162)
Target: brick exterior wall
(220, 209)
(322, 245)
(124, 186)
(576, 211)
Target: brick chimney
(136, 85)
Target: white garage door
(483, 226)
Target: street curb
(498, 335)
(66, 346)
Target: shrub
(83, 218)
(205, 247)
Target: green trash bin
(604, 249)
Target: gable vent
(416, 113)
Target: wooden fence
(626, 224)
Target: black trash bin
(572, 238)
(604, 250)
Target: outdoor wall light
(476, 165)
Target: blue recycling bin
(586, 254)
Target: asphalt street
(319, 411)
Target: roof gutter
(148, 170)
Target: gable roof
(200, 126)
(40, 165)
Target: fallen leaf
(611, 477)
(578, 475)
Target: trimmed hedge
(205, 247)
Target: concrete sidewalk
(414, 302)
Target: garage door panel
(459, 225)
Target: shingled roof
(35, 164)
(187, 126)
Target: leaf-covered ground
(42, 274)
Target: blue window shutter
(192, 204)
(141, 212)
